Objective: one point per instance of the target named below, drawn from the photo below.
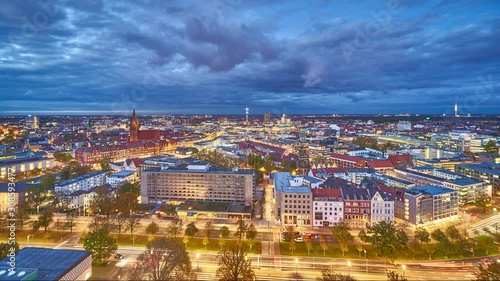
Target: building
(24, 165)
(431, 204)
(392, 181)
(357, 205)
(85, 182)
(141, 135)
(48, 264)
(192, 210)
(382, 206)
(81, 200)
(428, 175)
(293, 200)
(432, 152)
(355, 175)
(489, 157)
(449, 141)
(404, 126)
(267, 117)
(303, 164)
(347, 161)
(328, 207)
(32, 122)
(488, 172)
(196, 180)
(444, 163)
(119, 178)
(10, 197)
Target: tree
(191, 230)
(173, 230)
(152, 228)
(206, 240)
(6, 248)
(132, 223)
(340, 231)
(491, 147)
(323, 244)
(100, 244)
(443, 242)
(164, 259)
(45, 219)
(36, 195)
(48, 181)
(394, 276)
(102, 203)
(292, 246)
(491, 272)
(222, 242)
(22, 214)
(224, 232)
(185, 240)
(100, 222)
(104, 163)
(482, 200)
(366, 142)
(250, 235)
(233, 264)
(70, 221)
(387, 241)
(135, 188)
(329, 275)
(119, 221)
(241, 229)
(62, 157)
(209, 228)
(309, 245)
(422, 235)
(126, 203)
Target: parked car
(307, 235)
(299, 239)
(119, 256)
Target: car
(307, 235)
(119, 256)
(299, 239)
(487, 261)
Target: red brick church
(141, 135)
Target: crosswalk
(478, 227)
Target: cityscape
(249, 140)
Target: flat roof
(80, 178)
(20, 186)
(282, 183)
(480, 168)
(432, 189)
(52, 264)
(122, 174)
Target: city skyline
(313, 57)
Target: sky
(220, 56)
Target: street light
(349, 266)
(366, 263)
(404, 268)
(197, 261)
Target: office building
(267, 117)
(119, 178)
(32, 122)
(430, 204)
(404, 126)
(488, 172)
(24, 165)
(193, 179)
(328, 207)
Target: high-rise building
(246, 114)
(267, 117)
(456, 109)
(32, 122)
(303, 148)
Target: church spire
(134, 127)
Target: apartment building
(119, 178)
(328, 206)
(488, 172)
(293, 200)
(24, 164)
(196, 180)
(85, 182)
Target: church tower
(134, 127)
(303, 148)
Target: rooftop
(285, 182)
(122, 174)
(20, 186)
(80, 178)
(432, 189)
(51, 264)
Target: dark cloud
(222, 55)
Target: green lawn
(38, 237)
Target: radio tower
(246, 114)
(456, 109)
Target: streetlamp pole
(296, 274)
(349, 266)
(404, 268)
(366, 263)
(198, 261)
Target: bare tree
(70, 221)
(173, 230)
(164, 259)
(132, 223)
(233, 264)
(119, 221)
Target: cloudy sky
(219, 56)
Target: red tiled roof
(400, 160)
(380, 164)
(148, 135)
(137, 161)
(327, 192)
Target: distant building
(489, 157)
(48, 264)
(85, 182)
(17, 192)
(267, 117)
(32, 122)
(404, 126)
(431, 203)
(303, 164)
(488, 172)
(347, 161)
(193, 179)
(141, 135)
(444, 163)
